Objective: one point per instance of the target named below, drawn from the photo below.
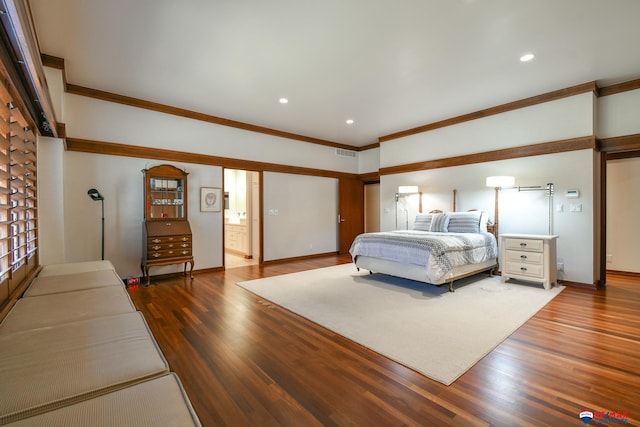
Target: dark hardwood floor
(245, 362)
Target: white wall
(300, 215)
(619, 114)
(623, 211)
(94, 119)
(556, 120)
(369, 160)
(51, 190)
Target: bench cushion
(54, 309)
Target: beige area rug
(427, 328)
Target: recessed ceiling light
(283, 100)
(527, 57)
(349, 121)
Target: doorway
(622, 205)
(242, 246)
(371, 207)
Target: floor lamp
(96, 196)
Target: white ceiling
(388, 65)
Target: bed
(441, 248)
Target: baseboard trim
(624, 273)
(299, 258)
(590, 286)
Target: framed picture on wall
(210, 199)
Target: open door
(350, 212)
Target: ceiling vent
(345, 153)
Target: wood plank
(245, 361)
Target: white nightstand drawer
(522, 269)
(524, 256)
(524, 244)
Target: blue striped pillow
(439, 223)
(465, 222)
(423, 222)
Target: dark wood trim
(299, 258)
(57, 63)
(572, 144)
(207, 270)
(600, 222)
(367, 147)
(620, 87)
(370, 177)
(182, 112)
(527, 102)
(580, 285)
(110, 148)
(624, 155)
(61, 130)
(624, 273)
(52, 61)
(620, 144)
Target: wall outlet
(561, 266)
(609, 258)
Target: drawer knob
(185, 245)
(523, 244)
(523, 268)
(155, 255)
(168, 224)
(184, 239)
(156, 247)
(523, 256)
(185, 252)
(156, 240)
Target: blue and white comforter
(437, 252)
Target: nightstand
(529, 257)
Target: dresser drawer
(160, 240)
(523, 269)
(169, 253)
(168, 246)
(524, 244)
(525, 257)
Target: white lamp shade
(405, 189)
(500, 181)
